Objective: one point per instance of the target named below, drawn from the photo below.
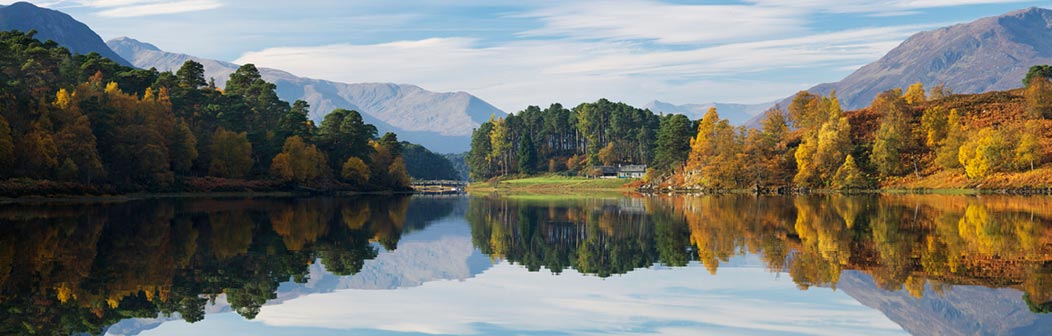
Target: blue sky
(516, 53)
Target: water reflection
(903, 242)
(69, 268)
(78, 268)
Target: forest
(84, 124)
(912, 138)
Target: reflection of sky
(744, 300)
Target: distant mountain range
(737, 114)
(56, 26)
(442, 122)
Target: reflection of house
(632, 171)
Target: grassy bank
(554, 184)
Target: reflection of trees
(592, 236)
(72, 269)
(916, 243)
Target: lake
(529, 264)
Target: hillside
(989, 54)
(441, 121)
(56, 26)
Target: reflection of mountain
(960, 310)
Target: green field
(553, 184)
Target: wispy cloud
(143, 8)
(663, 22)
(518, 73)
(135, 8)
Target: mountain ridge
(988, 54)
(56, 26)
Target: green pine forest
(84, 124)
(915, 138)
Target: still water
(817, 265)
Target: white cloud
(518, 73)
(135, 8)
(663, 22)
(157, 8)
(877, 8)
(506, 297)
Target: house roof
(633, 168)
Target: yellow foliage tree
(983, 154)
(848, 176)
(299, 161)
(1028, 149)
(949, 149)
(355, 170)
(914, 94)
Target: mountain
(958, 310)
(989, 54)
(737, 114)
(442, 122)
(56, 26)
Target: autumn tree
(355, 171)
(1028, 149)
(803, 110)
(892, 138)
(299, 162)
(947, 152)
(1038, 96)
(849, 176)
(914, 94)
(500, 145)
(983, 154)
(231, 154)
(766, 150)
(933, 125)
(824, 148)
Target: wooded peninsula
(83, 124)
(917, 139)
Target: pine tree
(527, 155)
